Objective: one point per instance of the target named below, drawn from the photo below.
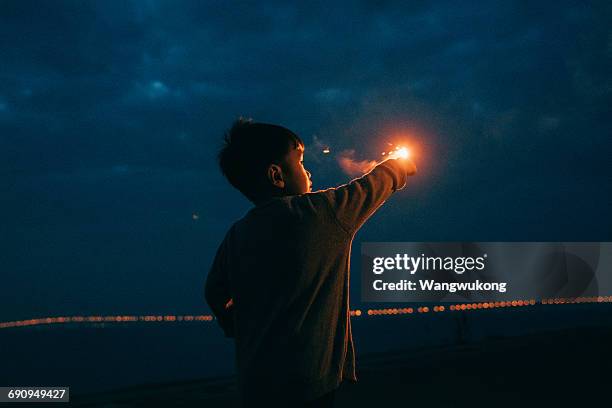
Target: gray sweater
(285, 265)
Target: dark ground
(570, 367)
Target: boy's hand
(408, 165)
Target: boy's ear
(275, 175)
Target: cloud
(333, 95)
(156, 89)
(548, 123)
(151, 91)
(212, 90)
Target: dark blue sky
(111, 114)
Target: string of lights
(353, 313)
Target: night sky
(112, 112)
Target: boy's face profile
(291, 176)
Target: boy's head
(264, 161)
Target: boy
(279, 283)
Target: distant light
(195, 216)
(326, 150)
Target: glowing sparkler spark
(403, 152)
(354, 167)
(399, 153)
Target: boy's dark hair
(249, 149)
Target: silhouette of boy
(279, 283)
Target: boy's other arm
(355, 202)
(217, 294)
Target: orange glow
(398, 153)
(403, 152)
(411, 136)
(122, 319)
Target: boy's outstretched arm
(217, 294)
(353, 203)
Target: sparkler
(354, 167)
(400, 152)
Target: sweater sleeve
(217, 292)
(353, 203)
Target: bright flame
(403, 153)
(399, 153)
